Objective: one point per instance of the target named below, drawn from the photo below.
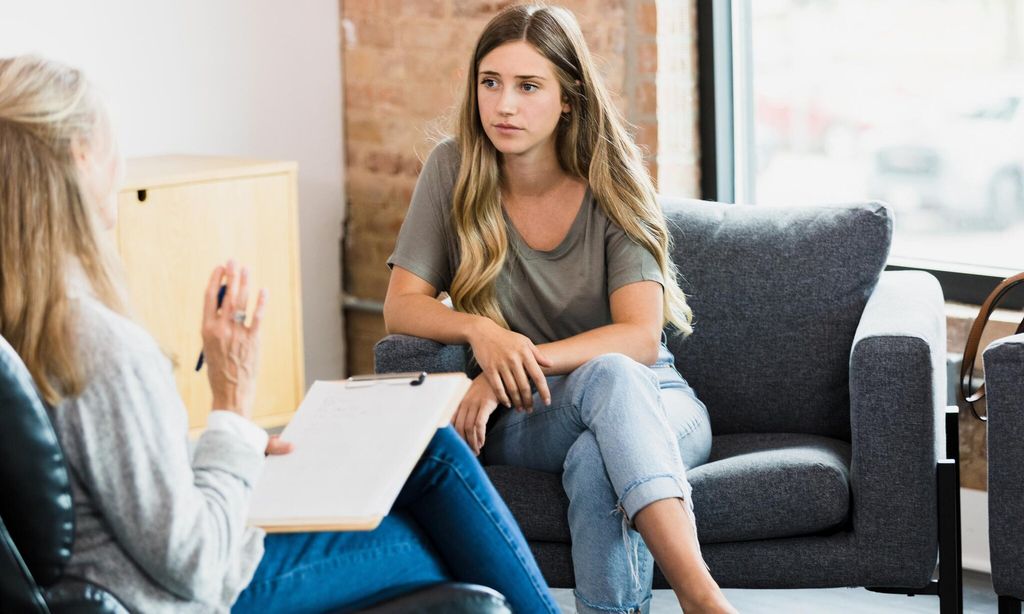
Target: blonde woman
(164, 532)
(541, 223)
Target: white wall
(252, 78)
(974, 529)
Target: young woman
(166, 533)
(541, 223)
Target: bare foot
(711, 600)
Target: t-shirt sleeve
(627, 260)
(424, 241)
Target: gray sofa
(1004, 383)
(825, 382)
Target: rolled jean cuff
(647, 490)
(585, 607)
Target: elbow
(650, 346)
(389, 315)
(651, 353)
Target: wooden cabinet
(180, 216)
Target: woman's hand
(476, 407)
(231, 348)
(509, 361)
(277, 446)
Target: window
(918, 103)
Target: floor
(978, 598)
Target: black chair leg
(951, 600)
(1009, 605)
(951, 590)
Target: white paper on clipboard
(355, 444)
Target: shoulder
(108, 341)
(129, 380)
(445, 154)
(442, 165)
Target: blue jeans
(448, 523)
(621, 434)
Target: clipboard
(355, 443)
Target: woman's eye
(488, 83)
(529, 87)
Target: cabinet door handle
(141, 195)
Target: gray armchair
(825, 382)
(1004, 382)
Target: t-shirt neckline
(567, 242)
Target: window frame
(718, 126)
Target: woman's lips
(507, 129)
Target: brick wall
(404, 64)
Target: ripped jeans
(622, 435)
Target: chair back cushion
(777, 293)
(36, 502)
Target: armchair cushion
(777, 294)
(754, 487)
(766, 486)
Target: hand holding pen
(220, 301)
(230, 346)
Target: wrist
(546, 350)
(478, 325)
(229, 402)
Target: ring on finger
(239, 316)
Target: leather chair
(1004, 383)
(37, 522)
(833, 453)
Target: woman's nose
(507, 103)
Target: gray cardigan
(165, 533)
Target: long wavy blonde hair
(592, 144)
(48, 226)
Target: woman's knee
(615, 367)
(447, 445)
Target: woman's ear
(80, 152)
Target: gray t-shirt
(545, 295)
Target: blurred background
(919, 103)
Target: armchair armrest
(897, 406)
(1004, 385)
(396, 353)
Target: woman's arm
(410, 308)
(509, 361)
(637, 317)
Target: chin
(508, 150)
(509, 147)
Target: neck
(533, 173)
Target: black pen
(220, 299)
